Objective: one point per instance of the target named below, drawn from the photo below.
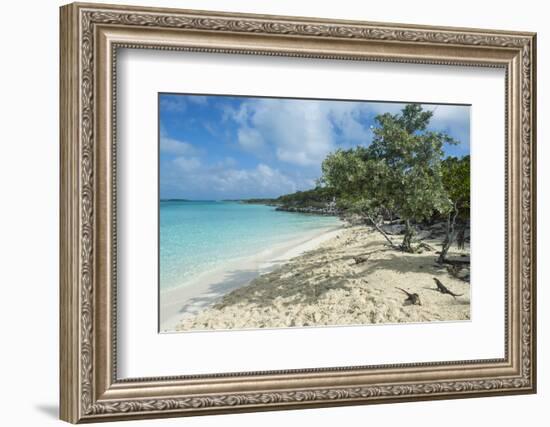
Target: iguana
(412, 298)
(444, 290)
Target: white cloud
(228, 162)
(175, 146)
(179, 103)
(448, 115)
(223, 180)
(261, 180)
(173, 103)
(187, 164)
(299, 132)
(251, 140)
(348, 118)
(198, 99)
(385, 107)
(452, 119)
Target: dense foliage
(400, 174)
(318, 197)
(456, 180)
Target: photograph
(290, 212)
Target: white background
(145, 353)
(29, 172)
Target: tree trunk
(449, 236)
(407, 239)
(445, 247)
(381, 231)
(461, 237)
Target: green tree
(399, 173)
(456, 180)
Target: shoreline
(183, 302)
(326, 285)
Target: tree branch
(382, 232)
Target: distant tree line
(314, 198)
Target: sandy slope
(325, 286)
(204, 290)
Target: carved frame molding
(90, 37)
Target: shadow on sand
(284, 282)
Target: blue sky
(226, 147)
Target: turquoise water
(200, 236)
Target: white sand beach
(187, 301)
(318, 282)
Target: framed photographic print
(321, 228)
(264, 212)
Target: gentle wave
(198, 236)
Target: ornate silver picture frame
(91, 36)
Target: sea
(199, 236)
